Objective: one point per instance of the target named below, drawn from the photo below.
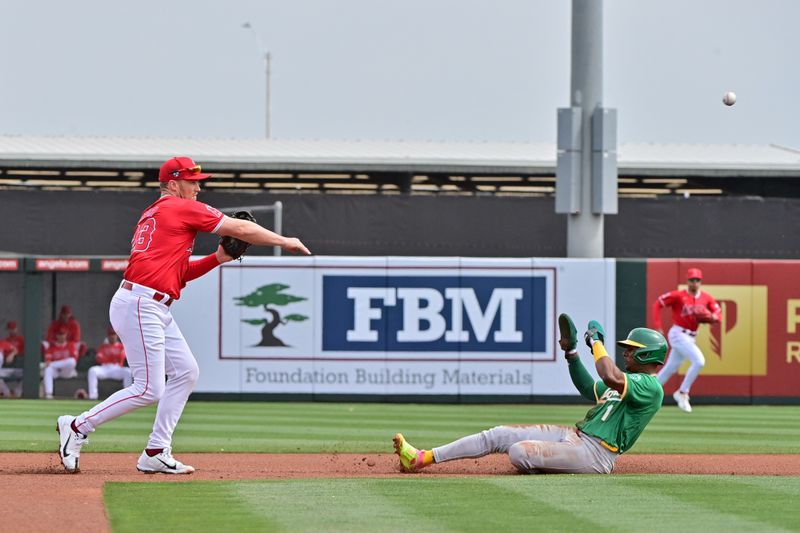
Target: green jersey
(619, 419)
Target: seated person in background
(12, 348)
(67, 321)
(110, 360)
(8, 352)
(15, 338)
(60, 359)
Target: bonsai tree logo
(269, 297)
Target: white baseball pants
(682, 346)
(537, 449)
(65, 368)
(155, 348)
(108, 371)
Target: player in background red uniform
(7, 354)
(110, 360)
(15, 338)
(158, 269)
(66, 320)
(12, 348)
(60, 359)
(690, 308)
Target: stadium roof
(132, 161)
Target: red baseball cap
(181, 168)
(66, 310)
(694, 273)
(11, 324)
(111, 330)
(61, 331)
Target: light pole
(268, 71)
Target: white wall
(390, 325)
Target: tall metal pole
(585, 229)
(268, 60)
(267, 55)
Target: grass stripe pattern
(508, 503)
(277, 427)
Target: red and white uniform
(163, 241)
(72, 326)
(682, 335)
(8, 350)
(61, 360)
(684, 308)
(60, 352)
(112, 354)
(158, 269)
(110, 358)
(18, 341)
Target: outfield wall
(391, 326)
(433, 329)
(755, 349)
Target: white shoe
(683, 401)
(70, 444)
(162, 463)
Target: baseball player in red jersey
(8, 351)
(690, 308)
(65, 320)
(158, 269)
(60, 358)
(15, 338)
(110, 360)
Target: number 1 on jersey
(608, 412)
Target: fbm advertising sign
(390, 326)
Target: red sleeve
(716, 310)
(51, 332)
(73, 349)
(74, 330)
(200, 267)
(201, 217)
(662, 301)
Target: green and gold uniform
(617, 419)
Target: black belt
(691, 332)
(157, 296)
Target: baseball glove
(594, 333)
(704, 317)
(569, 335)
(234, 247)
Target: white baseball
(729, 98)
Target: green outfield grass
(501, 503)
(29, 425)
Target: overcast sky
(377, 69)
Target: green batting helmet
(651, 345)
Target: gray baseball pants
(535, 449)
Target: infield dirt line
(76, 500)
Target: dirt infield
(36, 477)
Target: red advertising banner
(113, 265)
(9, 264)
(755, 348)
(56, 264)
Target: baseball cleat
(683, 401)
(569, 335)
(70, 444)
(411, 459)
(162, 463)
